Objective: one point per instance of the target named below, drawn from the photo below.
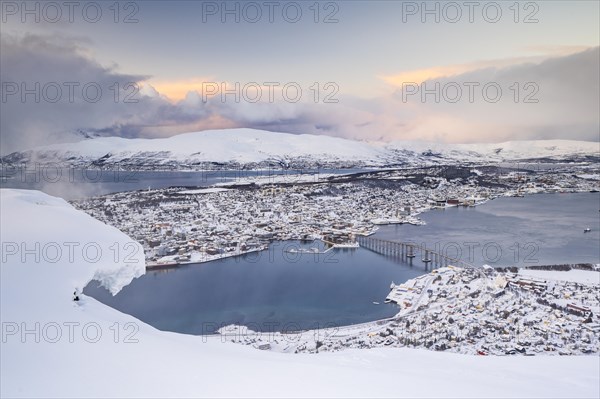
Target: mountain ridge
(257, 148)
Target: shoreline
(375, 226)
(392, 332)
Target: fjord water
(71, 184)
(273, 290)
(277, 290)
(540, 229)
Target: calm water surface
(268, 290)
(277, 290)
(537, 229)
(80, 183)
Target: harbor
(308, 283)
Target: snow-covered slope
(241, 146)
(252, 147)
(54, 347)
(507, 151)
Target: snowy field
(53, 346)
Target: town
(476, 311)
(473, 310)
(190, 225)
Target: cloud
(555, 98)
(567, 94)
(552, 98)
(52, 87)
(177, 90)
(421, 75)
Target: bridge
(407, 251)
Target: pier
(408, 251)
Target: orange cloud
(419, 76)
(176, 90)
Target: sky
(367, 70)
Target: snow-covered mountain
(250, 147)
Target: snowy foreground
(53, 346)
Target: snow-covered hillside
(507, 151)
(53, 346)
(257, 147)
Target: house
(212, 251)
(578, 310)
